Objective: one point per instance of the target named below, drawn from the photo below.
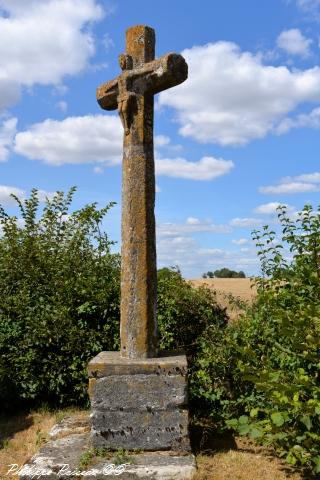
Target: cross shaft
(132, 93)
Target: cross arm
(151, 78)
(107, 95)
(165, 72)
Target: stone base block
(138, 392)
(62, 458)
(157, 430)
(139, 404)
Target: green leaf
(256, 432)
(254, 412)
(243, 420)
(306, 420)
(277, 419)
(243, 429)
(233, 423)
(291, 459)
(316, 461)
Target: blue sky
(240, 136)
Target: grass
(225, 457)
(218, 458)
(117, 457)
(21, 436)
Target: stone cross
(132, 93)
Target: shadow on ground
(205, 440)
(12, 424)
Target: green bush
(264, 370)
(185, 312)
(59, 302)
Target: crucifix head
(125, 61)
(142, 74)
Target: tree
(226, 273)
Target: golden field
(230, 292)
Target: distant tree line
(224, 273)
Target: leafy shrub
(217, 384)
(184, 312)
(59, 302)
(264, 371)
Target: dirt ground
(217, 458)
(231, 292)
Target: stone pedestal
(139, 403)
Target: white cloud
(5, 194)
(176, 246)
(7, 133)
(87, 139)
(231, 97)
(193, 221)
(311, 6)
(42, 41)
(60, 89)
(193, 259)
(304, 120)
(161, 140)
(98, 139)
(245, 222)
(294, 43)
(271, 208)
(98, 170)
(43, 195)
(305, 177)
(9, 92)
(207, 168)
(192, 225)
(7, 199)
(289, 187)
(240, 241)
(107, 41)
(63, 106)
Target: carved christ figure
(126, 98)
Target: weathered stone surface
(70, 425)
(155, 430)
(138, 392)
(49, 461)
(155, 466)
(61, 459)
(111, 363)
(132, 94)
(160, 74)
(139, 403)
